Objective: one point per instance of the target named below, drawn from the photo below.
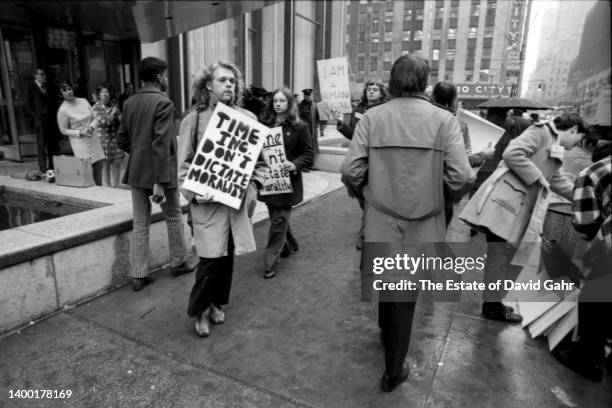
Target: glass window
(450, 55)
(485, 63)
(407, 25)
(475, 12)
(388, 26)
(419, 14)
(373, 64)
(469, 76)
(452, 33)
(360, 64)
(405, 45)
(437, 44)
(375, 27)
(361, 46)
(390, 6)
(437, 34)
(375, 46)
(387, 46)
(488, 32)
(435, 55)
(406, 35)
(418, 35)
(451, 44)
(387, 65)
(454, 11)
(486, 53)
(439, 12)
(473, 32)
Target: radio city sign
(483, 91)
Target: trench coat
(148, 134)
(505, 201)
(401, 153)
(213, 222)
(298, 149)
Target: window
(471, 45)
(406, 45)
(474, 21)
(486, 53)
(435, 55)
(473, 32)
(361, 46)
(487, 43)
(469, 76)
(450, 55)
(373, 63)
(419, 14)
(451, 44)
(450, 65)
(362, 28)
(484, 76)
(376, 8)
(448, 76)
(390, 6)
(360, 64)
(475, 11)
(407, 25)
(485, 63)
(387, 46)
(374, 47)
(438, 23)
(439, 12)
(454, 11)
(389, 26)
(436, 44)
(406, 36)
(363, 8)
(418, 35)
(437, 35)
(488, 32)
(361, 36)
(433, 77)
(375, 27)
(387, 65)
(452, 22)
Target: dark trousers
(280, 236)
(213, 281)
(395, 322)
(595, 311)
(97, 172)
(47, 143)
(497, 266)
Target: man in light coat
(219, 231)
(148, 134)
(401, 154)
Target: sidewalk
(302, 339)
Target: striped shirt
(592, 206)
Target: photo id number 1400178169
(40, 394)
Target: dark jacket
(37, 105)
(347, 130)
(148, 134)
(298, 149)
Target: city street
(303, 339)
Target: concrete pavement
(302, 339)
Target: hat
(307, 91)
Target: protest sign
(482, 132)
(225, 158)
(334, 84)
(277, 181)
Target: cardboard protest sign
(482, 132)
(277, 181)
(226, 156)
(334, 84)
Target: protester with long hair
(107, 116)
(374, 93)
(219, 231)
(402, 153)
(282, 111)
(75, 119)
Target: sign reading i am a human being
(277, 181)
(334, 84)
(225, 158)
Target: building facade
(474, 43)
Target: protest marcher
(502, 206)
(404, 204)
(219, 231)
(282, 111)
(255, 101)
(107, 118)
(592, 217)
(444, 94)
(41, 106)
(148, 135)
(374, 93)
(309, 114)
(75, 119)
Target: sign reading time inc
(483, 91)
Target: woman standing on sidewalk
(75, 119)
(107, 116)
(282, 111)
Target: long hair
(444, 94)
(408, 75)
(269, 116)
(203, 96)
(379, 84)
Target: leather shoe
(201, 324)
(389, 383)
(570, 358)
(188, 266)
(139, 283)
(497, 311)
(217, 316)
(269, 274)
